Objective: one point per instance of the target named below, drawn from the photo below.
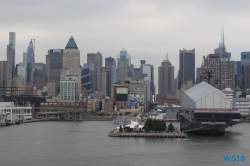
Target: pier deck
(116, 133)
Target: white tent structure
(204, 96)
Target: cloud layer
(146, 29)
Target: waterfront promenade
(116, 133)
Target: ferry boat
(9, 113)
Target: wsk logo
(234, 158)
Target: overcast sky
(147, 29)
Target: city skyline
(147, 30)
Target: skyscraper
(30, 55)
(221, 50)
(211, 70)
(3, 76)
(11, 47)
(111, 65)
(54, 66)
(137, 74)
(124, 59)
(219, 72)
(147, 73)
(71, 57)
(186, 66)
(96, 60)
(165, 78)
(245, 61)
(88, 77)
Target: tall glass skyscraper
(123, 64)
(11, 47)
(30, 55)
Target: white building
(68, 90)
(229, 93)
(204, 96)
(242, 105)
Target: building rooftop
(71, 44)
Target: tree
(171, 127)
(162, 125)
(149, 124)
(120, 128)
(147, 129)
(154, 125)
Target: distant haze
(147, 29)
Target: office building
(137, 74)
(123, 63)
(212, 70)
(88, 77)
(123, 92)
(71, 57)
(165, 78)
(11, 47)
(54, 64)
(147, 70)
(110, 64)
(186, 66)
(96, 60)
(199, 75)
(3, 76)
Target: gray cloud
(146, 29)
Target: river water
(87, 143)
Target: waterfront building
(68, 90)
(186, 66)
(124, 92)
(242, 105)
(165, 78)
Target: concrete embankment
(116, 133)
(20, 122)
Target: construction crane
(34, 39)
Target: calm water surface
(87, 143)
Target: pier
(116, 133)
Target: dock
(116, 133)
(20, 122)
